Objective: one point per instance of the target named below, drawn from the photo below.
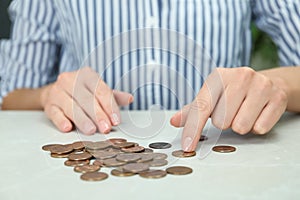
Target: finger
(255, 101)
(123, 98)
(74, 112)
(92, 108)
(271, 114)
(58, 118)
(179, 118)
(200, 110)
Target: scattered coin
(145, 157)
(117, 140)
(104, 155)
(113, 162)
(128, 157)
(224, 149)
(135, 149)
(55, 155)
(86, 168)
(147, 150)
(99, 163)
(74, 163)
(125, 145)
(78, 145)
(183, 154)
(94, 176)
(80, 156)
(136, 167)
(120, 172)
(158, 163)
(179, 170)
(61, 149)
(161, 156)
(160, 145)
(153, 174)
(48, 147)
(98, 145)
(203, 137)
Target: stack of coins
(123, 157)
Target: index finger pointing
(200, 110)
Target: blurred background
(264, 53)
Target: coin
(104, 155)
(48, 147)
(120, 172)
(160, 145)
(159, 156)
(147, 150)
(78, 145)
(135, 149)
(94, 176)
(117, 140)
(136, 167)
(145, 157)
(224, 149)
(203, 137)
(183, 154)
(61, 149)
(98, 145)
(125, 145)
(157, 163)
(74, 163)
(55, 155)
(98, 162)
(128, 157)
(80, 156)
(153, 174)
(113, 162)
(86, 168)
(179, 170)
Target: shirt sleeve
(281, 20)
(28, 58)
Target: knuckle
(201, 105)
(245, 73)
(280, 98)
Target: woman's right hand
(82, 98)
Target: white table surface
(263, 167)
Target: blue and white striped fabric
(159, 50)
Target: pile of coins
(125, 158)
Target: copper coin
(94, 176)
(74, 163)
(80, 156)
(86, 168)
(203, 137)
(135, 149)
(128, 157)
(183, 154)
(98, 162)
(113, 162)
(55, 155)
(104, 155)
(160, 145)
(61, 149)
(78, 145)
(125, 145)
(224, 149)
(136, 167)
(48, 147)
(120, 172)
(116, 140)
(153, 174)
(179, 170)
(161, 156)
(158, 163)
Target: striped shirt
(159, 50)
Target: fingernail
(115, 119)
(104, 127)
(66, 126)
(89, 128)
(187, 143)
